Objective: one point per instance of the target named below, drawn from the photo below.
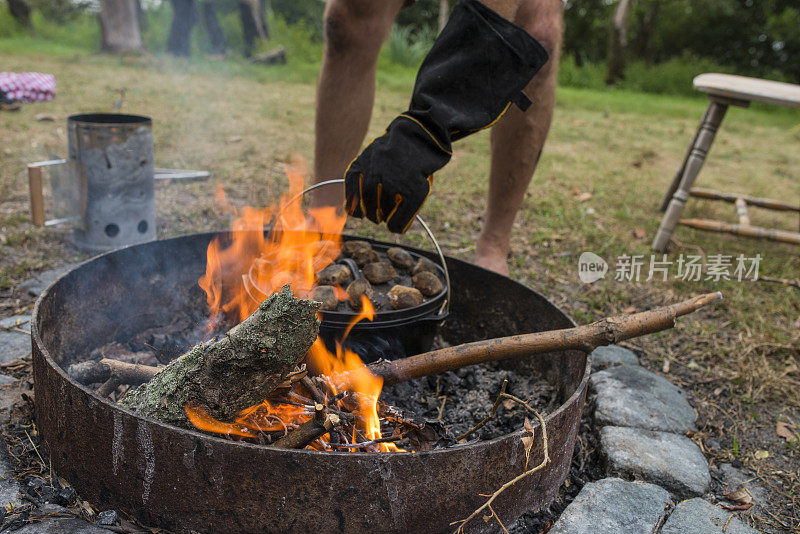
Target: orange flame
(345, 371)
(249, 266)
(241, 274)
(264, 417)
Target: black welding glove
(477, 68)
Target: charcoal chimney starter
(114, 153)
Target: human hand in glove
(475, 70)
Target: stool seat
(749, 89)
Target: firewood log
(235, 370)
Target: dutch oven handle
(446, 304)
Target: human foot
(491, 256)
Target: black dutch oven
(392, 333)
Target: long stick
(586, 338)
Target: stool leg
(679, 173)
(697, 156)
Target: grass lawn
(608, 161)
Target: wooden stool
(723, 90)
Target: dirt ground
(608, 160)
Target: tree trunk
(643, 42)
(180, 31)
(253, 24)
(234, 371)
(444, 13)
(618, 40)
(21, 12)
(119, 26)
(213, 27)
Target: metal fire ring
(188, 481)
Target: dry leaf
(527, 441)
(583, 197)
(761, 455)
(528, 426)
(629, 309)
(784, 430)
(738, 507)
(665, 366)
(639, 233)
(740, 496)
(508, 404)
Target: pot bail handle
(446, 304)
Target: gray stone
(663, 458)
(107, 517)
(13, 343)
(50, 509)
(734, 478)
(629, 395)
(9, 486)
(611, 355)
(61, 526)
(697, 516)
(36, 285)
(614, 506)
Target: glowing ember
(249, 266)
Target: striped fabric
(28, 86)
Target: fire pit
(185, 480)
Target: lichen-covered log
(235, 370)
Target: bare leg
(518, 137)
(354, 33)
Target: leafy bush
(406, 47)
(588, 75)
(673, 76)
(307, 13)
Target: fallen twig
(488, 417)
(784, 281)
(493, 496)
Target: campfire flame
(246, 267)
(241, 274)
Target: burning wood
(234, 371)
(314, 428)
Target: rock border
(642, 420)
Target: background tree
(254, 25)
(21, 12)
(618, 42)
(184, 16)
(208, 9)
(119, 26)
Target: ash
(461, 399)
